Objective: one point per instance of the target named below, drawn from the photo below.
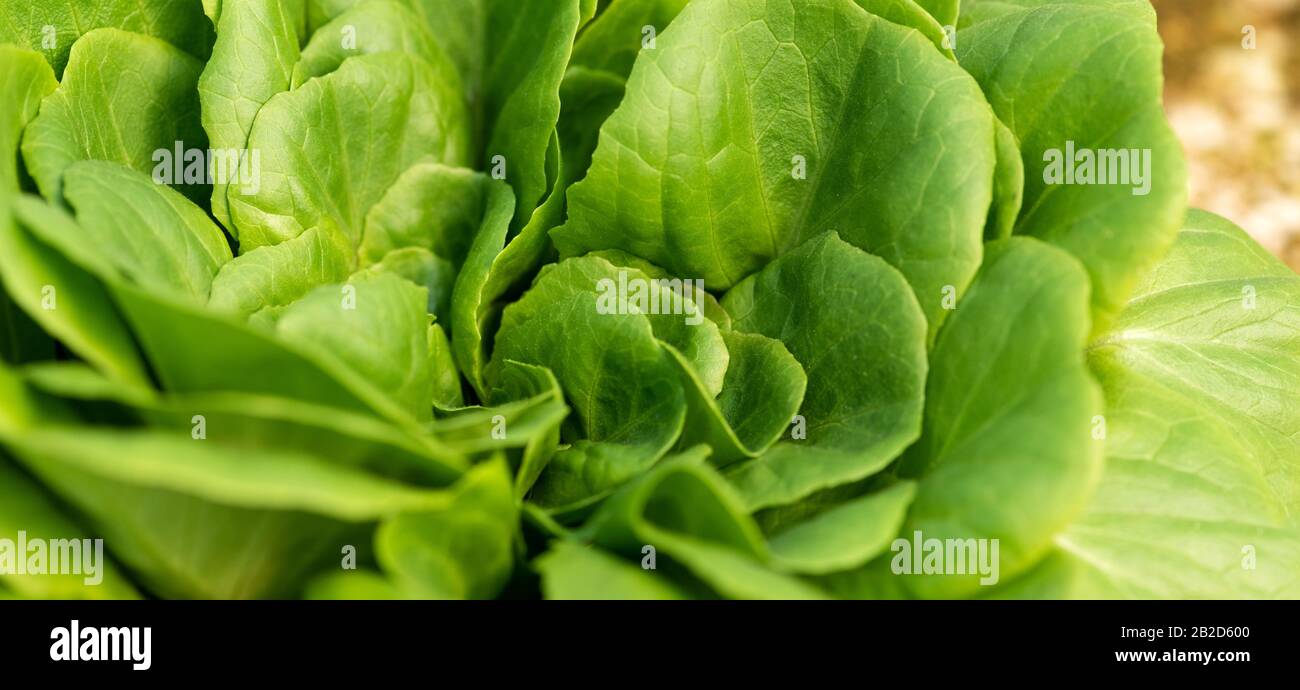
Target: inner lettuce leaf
(624, 389)
(95, 114)
(740, 138)
(252, 60)
(510, 58)
(854, 326)
(53, 28)
(383, 113)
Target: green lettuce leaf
(1006, 452)
(52, 28)
(855, 328)
(58, 295)
(97, 114)
(383, 113)
(1201, 494)
(1085, 75)
(463, 550)
(740, 137)
(194, 519)
(252, 60)
(157, 238)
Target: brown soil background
(1237, 111)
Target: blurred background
(1232, 92)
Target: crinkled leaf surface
(332, 148)
(623, 388)
(269, 278)
(370, 26)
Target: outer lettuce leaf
(36, 275)
(152, 234)
(260, 421)
(236, 357)
(1202, 486)
(191, 348)
(198, 520)
(26, 507)
(1086, 72)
